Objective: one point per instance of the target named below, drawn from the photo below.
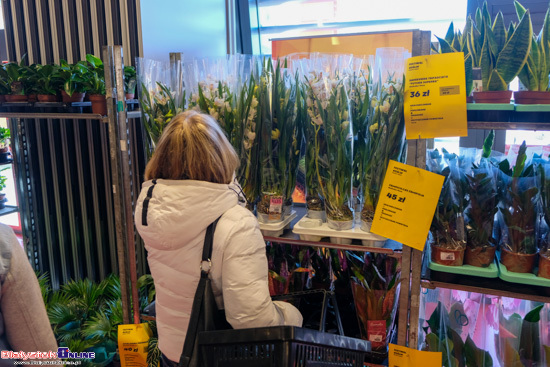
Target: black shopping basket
(280, 346)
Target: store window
(275, 19)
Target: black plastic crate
(280, 346)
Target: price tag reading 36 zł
(435, 96)
(407, 204)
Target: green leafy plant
(74, 77)
(4, 81)
(4, 136)
(535, 73)
(95, 75)
(501, 53)
(48, 79)
(130, 79)
(3, 180)
(519, 207)
(16, 74)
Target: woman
(189, 186)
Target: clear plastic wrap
(329, 110)
(386, 126)
(543, 227)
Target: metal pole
(116, 179)
(126, 177)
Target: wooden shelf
(8, 210)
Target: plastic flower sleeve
(386, 126)
(159, 103)
(277, 101)
(543, 235)
(329, 110)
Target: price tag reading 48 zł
(435, 96)
(407, 204)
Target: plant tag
(276, 204)
(435, 96)
(407, 357)
(376, 333)
(406, 204)
(447, 256)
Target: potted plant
(543, 173)
(95, 85)
(74, 78)
(30, 80)
(535, 73)
(480, 213)
(501, 53)
(49, 82)
(130, 81)
(4, 145)
(518, 215)
(457, 42)
(448, 238)
(3, 180)
(17, 82)
(5, 88)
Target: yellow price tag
(407, 204)
(406, 357)
(435, 96)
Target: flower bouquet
(329, 112)
(385, 136)
(277, 110)
(448, 237)
(518, 214)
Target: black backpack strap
(192, 329)
(146, 203)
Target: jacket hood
(180, 210)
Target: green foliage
(535, 73)
(501, 53)
(4, 136)
(481, 212)
(130, 79)
(95, 75)
(48, 79)
(16, 78)
(74, 77)
(3, 179)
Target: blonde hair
(193, 147)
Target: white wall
(194, 27)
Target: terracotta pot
(76, 97)
(2, 98)
(481, 257)
(443, 256)
(501, 96)
(16, 98)
(99, 104)
(32, 98)
(531, 97)
(47, 98)
(130, 96)
(544, 266)
(518, 263)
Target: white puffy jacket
(178, 214)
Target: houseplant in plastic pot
(518, 214)
(5, 156)
(480, 213)
(535, 73)
(543, 175)
(3, 180)
(447, 231)
(95, 85)
(4, 84)
(49, 82)
(17, 82)
(74, 81)
(130, 81)
(502, 55)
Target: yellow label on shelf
(406, 357)
(407, 204)
(435, 96)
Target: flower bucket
(449, 257)
(481, 257)
(75, 97)
(518, 263)
(531, 97)
(47, 98)
(544, 266)
(99, 104)
(501, 96)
